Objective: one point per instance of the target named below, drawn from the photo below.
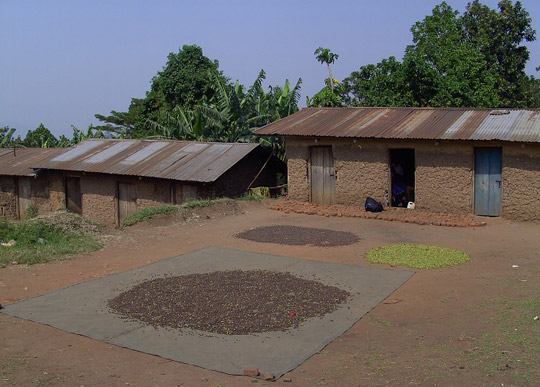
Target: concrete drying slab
(82, 309)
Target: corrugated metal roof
(25, 159)
(167, 159)
(522, 125)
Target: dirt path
(441, 328)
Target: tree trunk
(331, 79)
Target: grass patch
(510, 343)
(147, 213)
(200, 203)
(40, 242)
(150, 212)
(250, 198)
(417, 256)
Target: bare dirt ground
(467, 325)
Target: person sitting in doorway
(399, 195)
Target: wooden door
(127, 200)
(73, 195)
(487, 181)
(322, 175)
(24, 189)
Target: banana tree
(6, 135)
(187, 124)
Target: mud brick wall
(297, 152)
(521, 182)
(8, 197)
(444, 176)
(444, 172)
(153, 192)
(48, 191)
(361, 169)
(99, 193)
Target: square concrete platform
(82, 309)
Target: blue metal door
(487, 181)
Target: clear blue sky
(62, 61)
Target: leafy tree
(41, 137)
(471, 60)
(79, 135)
(444, 70)
(231, 114)
(185, 80)
(121, 122)
(184, 124)
(498, 37)
(327, 96)
(192, 100)
(324, 55)
(280, 101)
(381, 84)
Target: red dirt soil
(426, 333)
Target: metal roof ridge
(494, 109)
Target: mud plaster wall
(444, 176)
(153, 192)
(100, 195)
(443, 172)
(297, 152)
(8, 197)
(48, 192)
(361, 169)
(98, 200)
(521, 182)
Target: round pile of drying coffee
(232, 302)
(299, 236)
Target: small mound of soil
(229, 302)
(297, 236)
(70, 223)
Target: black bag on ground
(372, 205)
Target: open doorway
(402, 169)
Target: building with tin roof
(109, 179)
(456, 160)
(21, 185)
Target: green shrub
(147, 213)
(250, 198)
(199, 203)
(417, 256)
(31, 211)
(37, 242)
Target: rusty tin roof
(166, 159)
(411, 123)
(23, 160)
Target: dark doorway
(73, 195)
(402, 170)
